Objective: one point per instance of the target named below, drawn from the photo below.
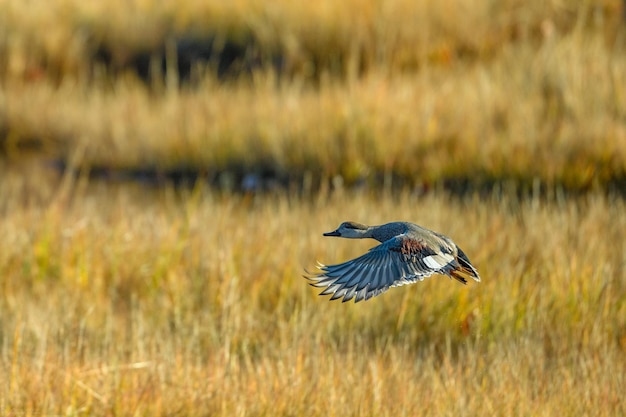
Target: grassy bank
(545, 105)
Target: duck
(407, 253)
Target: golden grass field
(126, 301)
(410, 90)
(131, 297)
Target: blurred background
(167, 170)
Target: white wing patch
(437, 262)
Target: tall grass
(126, 301)
(349, 35)
(524, 116)
(545, 105)
(118, 299)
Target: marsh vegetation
(128, 292)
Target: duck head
(351, 230)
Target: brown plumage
(408, 253)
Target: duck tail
(464, 269)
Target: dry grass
(524, 116)
(122, 300)
(545, 104)
(119, 301)
(348, 35)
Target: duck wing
(397, 261)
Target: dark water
(36, 171)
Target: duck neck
(386, 231)
(368, 233)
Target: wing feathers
(398, 261)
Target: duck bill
(333, 233)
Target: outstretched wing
(397, 261)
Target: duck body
(408, 253)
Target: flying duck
(408, 253)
